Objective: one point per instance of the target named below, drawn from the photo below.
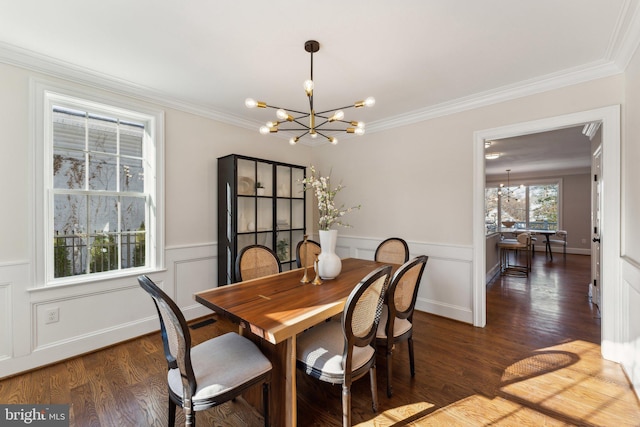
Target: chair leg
(189, 414)
(346, 406)
(172, 413)
(189, 419)
(374, 389)
(412, 364)
(265, 402)
(389, 371)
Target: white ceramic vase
(329, 263)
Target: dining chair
(255, 261)
(522, 243)
(342, 352)
(396, 321)
(557, 239)
(305, 256)
(393, 250)
(210, 373)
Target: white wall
(631, 222)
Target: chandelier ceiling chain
(317, 121)
(508, 191)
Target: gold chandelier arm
(335, 109)
(331, 139)
(286, 109)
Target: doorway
(610, 215)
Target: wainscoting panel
(191, 276)
(92, 315)
(5, 321)
(631, 286)
(446, 288)
(88, 315)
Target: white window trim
(43, 95)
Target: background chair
(396, 321)
(558, 239)
(340, 353)
(306, 258)
(210, 373)
(522, 243)
(256, 261)
(394, 250)
(534, 240)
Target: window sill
(95, 278)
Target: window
(535, 206)
(101, 184)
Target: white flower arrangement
(329, 213)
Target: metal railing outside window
(76, 254)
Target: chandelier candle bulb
(283, 115)
(338, 115)
(252, 103)
(308, 87)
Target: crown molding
(13, 55)
(53, 67)
(626, 38)
(521, 89)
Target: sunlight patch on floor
(475, 410)
(566, 384)
(575, 391)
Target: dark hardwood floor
(537, 362)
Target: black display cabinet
(259, 202)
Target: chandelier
(508, 192)
(311, 123)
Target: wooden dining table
(272, 310)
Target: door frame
(610, 220)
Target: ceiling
(422, 60)
(562, 151)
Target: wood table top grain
(279, 306)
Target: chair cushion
(321, 348)
(221, 364)
(400, 326)
(511, 245)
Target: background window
(534, 206)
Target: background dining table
(545, 233)
(272, 310)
